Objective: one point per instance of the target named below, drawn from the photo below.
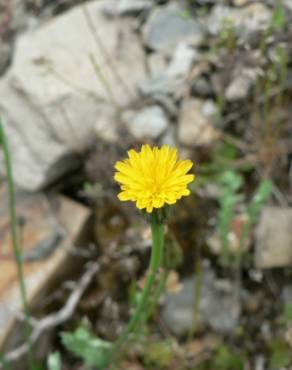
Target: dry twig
(57, 318)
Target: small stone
(241, 2)
(240, 86)
(287, 294)
(169, 138)
(254, 17)
(288, 5)
(196, 124)
(202, 88)
(233, 237)
(162, 85)
(171, 80)
(182, 60)
(219, 305)
(274, 238)
(149, 122)
(169, 25)
(127, 7)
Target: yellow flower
(153, 177)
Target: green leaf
(226, 360)
(261, 196)
(94, 351)
(231, 181)
(158, 354)
(288, 312)
(54, 361)
(280, 354)
(278, 21)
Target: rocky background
(82, 82)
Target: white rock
(182, 60)
(247, 19)
(171, 80)
(195, 123)
(288, 4)
(241, 84)
(51, 97)
(149, 122)
(274, 238)
(127, 7)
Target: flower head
(153, 177)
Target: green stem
(15, 239)
(157, 293)
(157, 230)
(3, 363)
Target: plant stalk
(15, 239)
(157, 230)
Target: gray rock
(196, 122)
(168, 25)
(162, 84)
(243, 20)
(5, 55)
(149, 122)
(273, 238)
(53, 116)
(171, 81)
(202, 88)
(127, 7)
(241, 84)
(287, 294)
(169, 138)
(219, 305)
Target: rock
(5, 56)
(163, 85)
(241, 84)
(47, 259)
(173, 77)
(273, 238)
(240, 2)
(167, 103)
(168, 25)
(149, 122)
(169, 138)
(248, 19)
(127, 7)
(107, 125)
(202, 88)
(195, 122)
(182, 60)
(235, 244)
(287, 294)
(156, 63)
(58, 109)
(219, 305)
(288, 5)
